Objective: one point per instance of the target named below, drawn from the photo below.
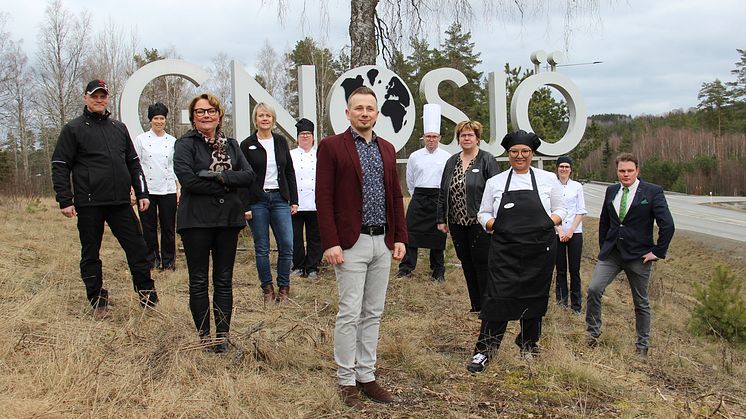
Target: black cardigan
(256, 155)
(207, 203)
(484, 167)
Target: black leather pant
(199, 245)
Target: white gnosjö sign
(397, 111)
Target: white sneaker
(313, 275)
(478, 362)
(297, 273)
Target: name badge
(509, 205)
(475, 170)
(252, 147)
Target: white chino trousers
(361, 283)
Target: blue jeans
(272, 211)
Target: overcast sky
(655, 54)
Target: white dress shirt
(549, 188)
(575, 202)
(157, 161)
(305, 176)
(630, 195)
(425, 169)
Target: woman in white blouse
(306, 253)
(156, 150)
(520, 207)
(570, 237)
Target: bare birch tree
(220, 85)
(383, 26)
(62, 43)
(113, 61)
(19, 88)
(270, 69)
(6, 45)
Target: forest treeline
(697, 151)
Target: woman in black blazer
(210, 169)
(272, 199)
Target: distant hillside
(682, 151)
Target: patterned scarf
(221, 160)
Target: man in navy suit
(625, 235)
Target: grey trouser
(361, 283)
(638, 275)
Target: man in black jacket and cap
(99, 154)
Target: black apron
(522, 257)
(422, 228)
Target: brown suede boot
(349, 397)
(376, 393)
(269, 294)
(282, 298)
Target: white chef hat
(431, 118)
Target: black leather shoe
(222, 344)
(592, 341)
(220, 348)
(403, 274)
(148, 298)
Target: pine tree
(712, 97)
(721, 310)
(328, 69)
(457, 51)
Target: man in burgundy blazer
(361, 220)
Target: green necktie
(623, 204)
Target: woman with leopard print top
(461, 188)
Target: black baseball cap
(94, 85)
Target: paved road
(689, 212)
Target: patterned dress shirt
(374, 192)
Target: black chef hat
(157, 109)
(521, 137)
(564, 159)
(304, 125)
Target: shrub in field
(721, 310)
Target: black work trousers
(162, 211)
(491, 334)
(124, 225)
(568, 255)
(437, 261)
(472, 246)
(199, 245)
(307, 251)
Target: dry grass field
(56, 361)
